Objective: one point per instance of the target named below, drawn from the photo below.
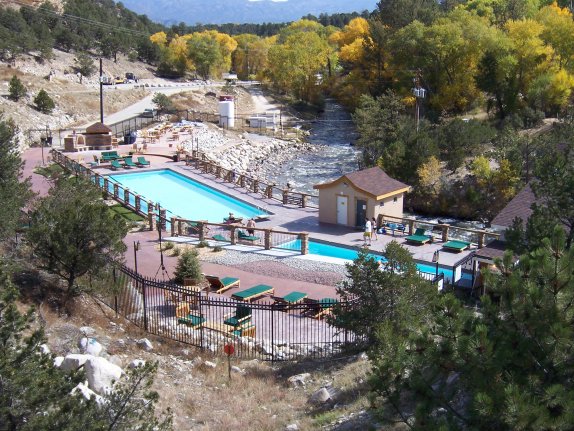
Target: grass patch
(326, 418)
(217, 248)
(202, 244)
(126, 213)
(50, 171)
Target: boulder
(87, 330)
(145, 344)
(292, 427)
(45, 349)
(87, 393)
(101, 374)
(298, 380)
(320, 397)
(209, 364)
(74, 361)
(90, 346)
(58, 361)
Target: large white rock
(299, 379)
(136, 363)
(101, 374)
(87, 330)
(321, 396)
(74, 361)
(90, 346)
(58, 361)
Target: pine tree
(188, 266)
(43, 102)
(16, 89)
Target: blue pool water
(330, 250)
(185, 197)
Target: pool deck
(283, 218)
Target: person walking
(374, 228)
(368, 232)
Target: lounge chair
(456, 245)
(284, 303)
(318, 308)
(219, 237)
(142, 161)
(117, 165)
(242, 236)
(245, 331)
(108, 156)
(219, 285)
(130, 163)
(239, 318)
(192, 320)
(252, 293)
(419, 237)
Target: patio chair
(130, 163)
(142, 161)
(238, 318)
(253, 293)
(419, 237)
(284, 303)
(248, 330)
(219, 285)
(318, 308)
(242, 236)
(456, 245)
(219, 237)
(192, 320)
(117, 165)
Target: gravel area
(327, 274)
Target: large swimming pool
(185, 197)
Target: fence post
(242, 181)
(481, 236)
(162, 219)
(201, 228)
(269, 191)
(116, 190)
(267, 239)
(218, 172)
(304, 237)
(444, 232)
(411, 227)
(107, 187)
(173, 223)
(272, 328)
(144, 304)
(255, 185)
(138, 204)
(151, 215)
(127, 196)
(232, 235)
(179, 228)
(285, 196)
(304, 201)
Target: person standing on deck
(368, 232)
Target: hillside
(241, 11)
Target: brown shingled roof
(98, 129)
(519, 207)
(493, 250)
(373, 181)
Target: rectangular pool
(340, 252)
(185, 197)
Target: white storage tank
(226, 112)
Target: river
(332, 133)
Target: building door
(342, 210)
(361, 213)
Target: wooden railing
(199, 161)
(479, 236)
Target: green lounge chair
(130, 163)
(110, 155)
(142, 161)
(245, 331)
(240, 317)
(219, 285)
(252, 293)
(456, 245)
(117, 165)
(192, 320)
(419, 237)
(219, 237)
(284, 303)
(319, 308)
(242, 236)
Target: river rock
(320, 397)
(101, 374)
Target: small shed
(353, 197)
(98, 136)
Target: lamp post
(136, 248)
(435, 258)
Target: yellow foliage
(429, 174)
(352, 52)
(560, 88)
(159, 38)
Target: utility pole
(419, 94)
(101, 92)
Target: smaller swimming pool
(340, 252)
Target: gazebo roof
(98, 129)
(372, 181)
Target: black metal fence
(272, 331)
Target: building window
(381, 204)
(395, 199)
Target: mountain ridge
(194, 12)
